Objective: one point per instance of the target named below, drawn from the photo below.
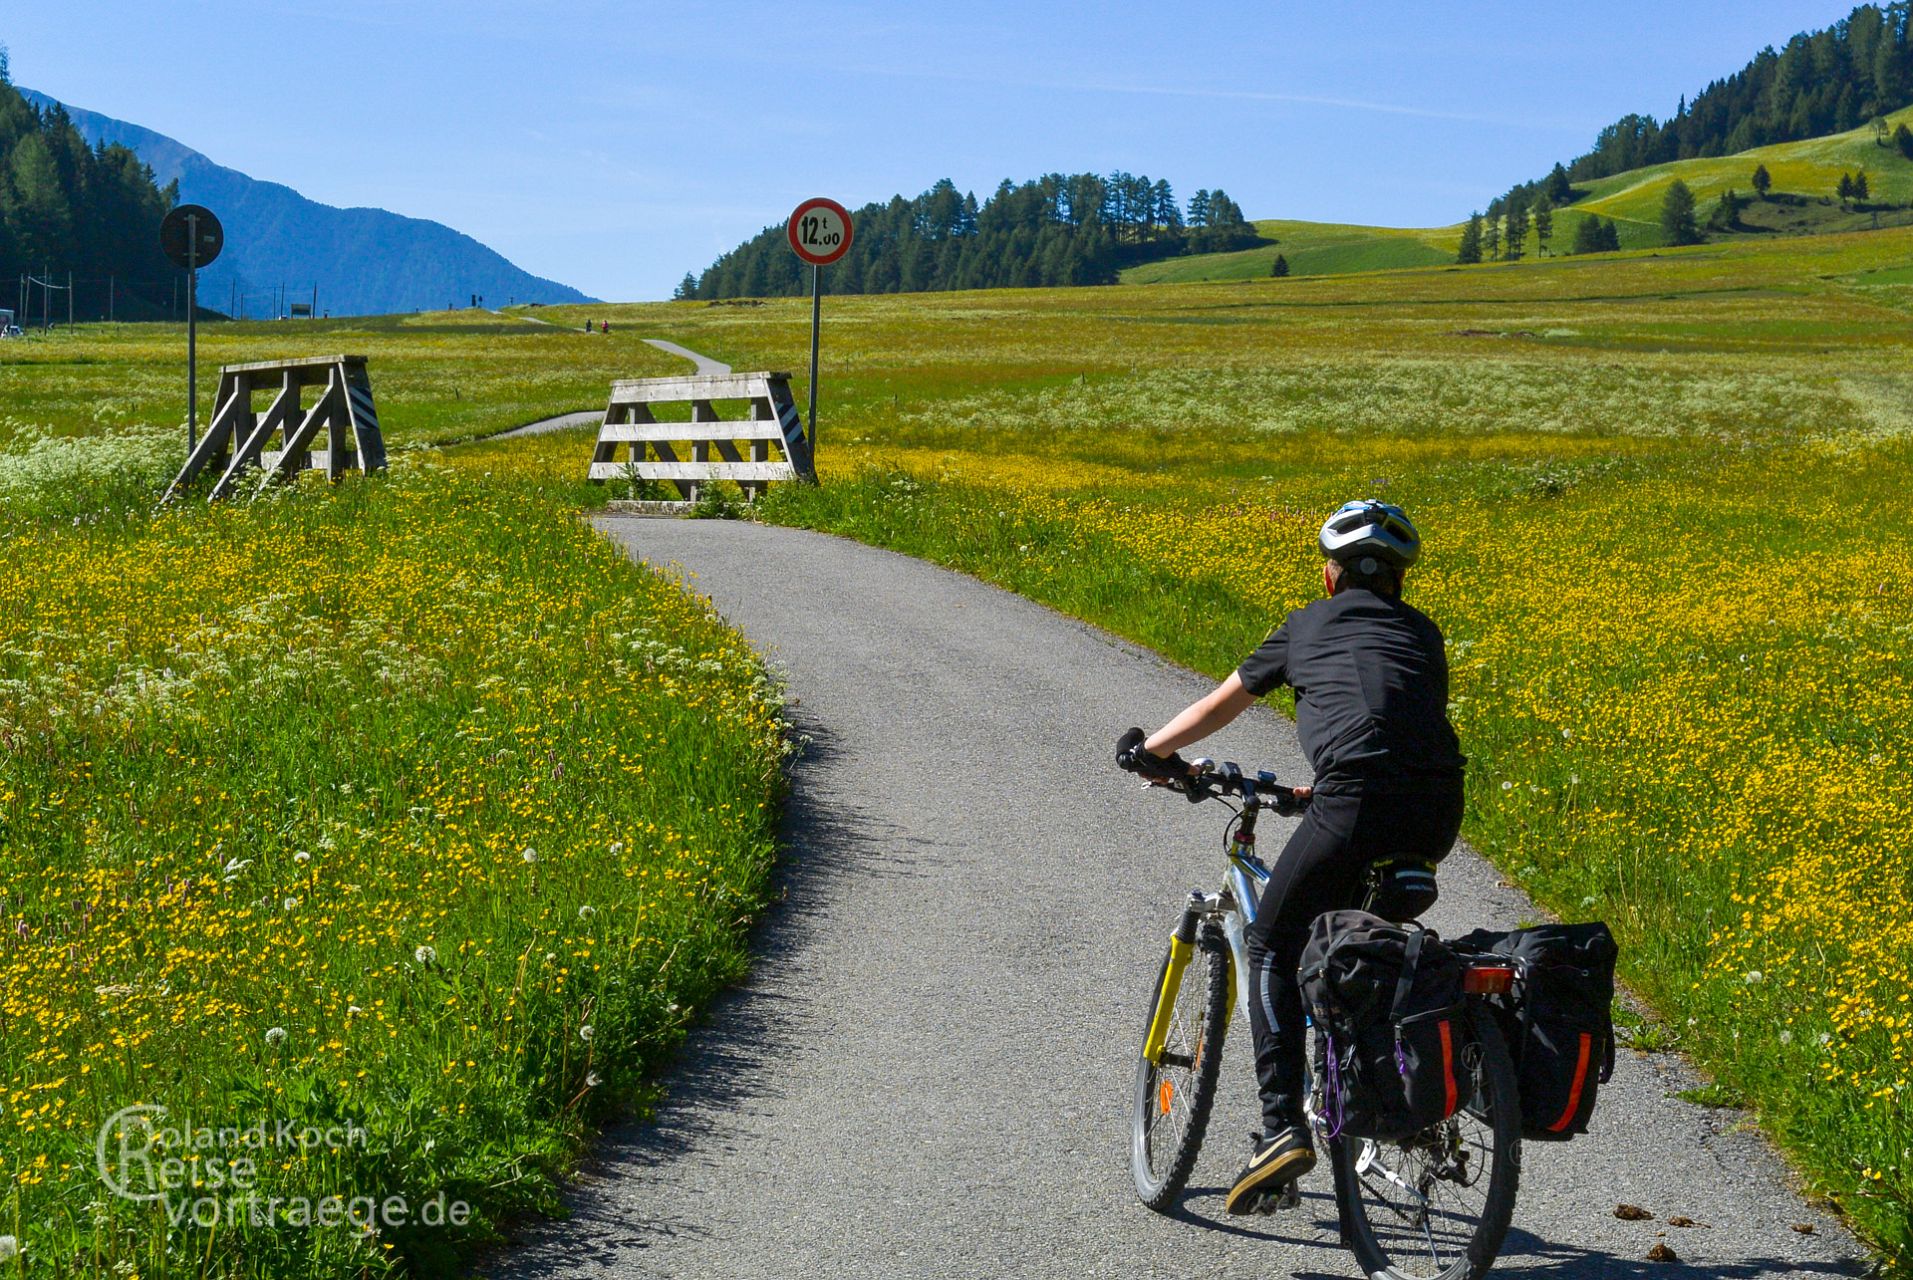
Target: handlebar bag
(1391, 1025)
(1558, 1021)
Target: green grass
(408, 811)
(445, 375)
(1311, 248)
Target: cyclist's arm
(1202, 717)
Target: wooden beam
(735, 429)
(688, 472)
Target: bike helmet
(1368, 534)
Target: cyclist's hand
(1162, 771)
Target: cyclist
(1371, 710)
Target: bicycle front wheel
(1436, 1206)
(1175, 1091)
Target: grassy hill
(1312, 249)
(1804, 176)
(1802, 202)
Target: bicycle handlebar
(1207, 779)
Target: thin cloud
(1227, 95)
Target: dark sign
(181, 225)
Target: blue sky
(614, 146)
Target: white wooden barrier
(237, 436)
(630, 424)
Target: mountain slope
(1804, 173)
(363, 261)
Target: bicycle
(1408, 1209)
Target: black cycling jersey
(1371, 689)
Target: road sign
(820, 231)
(184, 225)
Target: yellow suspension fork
(1182, 949)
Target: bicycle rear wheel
(1436, 1206)
(1175, 1093)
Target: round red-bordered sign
(819, 231)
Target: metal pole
(816, 321)
(192, 332)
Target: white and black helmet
(1367, 535)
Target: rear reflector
(1488, 980)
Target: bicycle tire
(1200, 1023)
(1394, 1248)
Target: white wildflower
(617, 847)
(593, 1080)
(276, 1036)
(292, 904)
(9, 1248)
(587, 911)
(585, 1033)
(1786, 1037)
(353, 1011)
(1507, 786)
(1752, 976)
(426, 955)
(530, 855)
(302, 857)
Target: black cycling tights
(1322, 869)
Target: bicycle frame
(1232, 911)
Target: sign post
(191, 236)
(820, 234)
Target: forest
(67, 209)
(1060, 229)
(1825, 81)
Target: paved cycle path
(928, 1074)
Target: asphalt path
(928, 1073)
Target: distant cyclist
(1371, 710)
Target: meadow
(1664, 496)
(405, 825)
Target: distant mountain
(363, 261)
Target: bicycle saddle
(1400, 889)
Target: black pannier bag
(1390, 1025)
(1558, 1021)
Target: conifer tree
(687, 287)
(1587, 236)
(1560, 190)
(1903, 139)
(1281, 267)
(1845, 189)
(1517, 233)
(1491, 239)
(1763, 180)
(1677, 215)
(1470, 250)
(1860, 185)
(1543, 223)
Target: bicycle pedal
(1281, 1200)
